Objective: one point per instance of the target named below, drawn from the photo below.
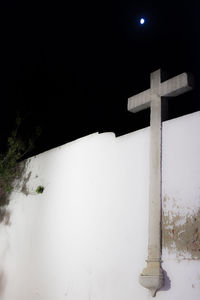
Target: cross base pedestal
(152, 277)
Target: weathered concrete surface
(181, 190)
(181, 231)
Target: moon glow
(142, 21)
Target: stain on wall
(181, 230)
(24, 188)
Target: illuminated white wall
(85, 236)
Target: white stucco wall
(85, 236)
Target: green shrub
(17, 148)
(40, 189)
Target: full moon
(142, 21)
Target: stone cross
(152, 276)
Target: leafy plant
(17, 148)
(40, 189)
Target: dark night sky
(70, 66)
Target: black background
(69, 66)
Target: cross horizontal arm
(176, 85)
(140, 101)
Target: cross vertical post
(152, 276)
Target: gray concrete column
(152, 276)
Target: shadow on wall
(19, 182)
(167, 282)
(2, 283)
(4, 215)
